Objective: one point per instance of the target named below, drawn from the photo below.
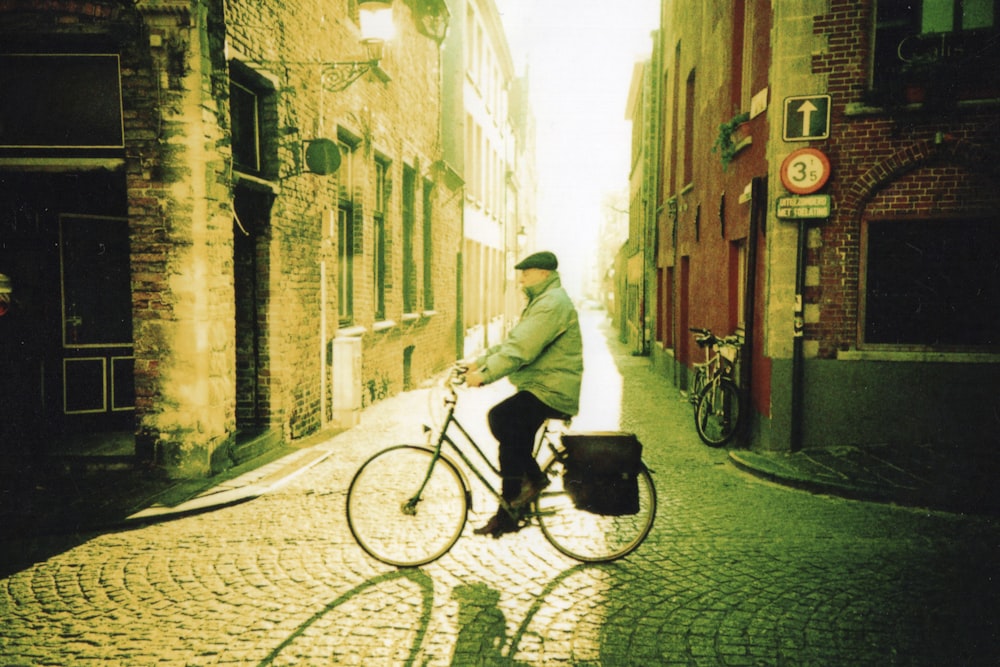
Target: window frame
(409, 233)
(910, 65)
(380, 213)
(263, 98)
(428, 244)
(347, 227)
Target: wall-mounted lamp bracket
(338, 76)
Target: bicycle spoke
(391, 522)
(592, 537)
(718, 412)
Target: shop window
(936, 48)
(932, 283)
(60, 101)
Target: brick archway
(939, 148)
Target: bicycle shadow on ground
(482, 637)
(305, 640)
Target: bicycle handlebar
(705, 337)
(457, 374)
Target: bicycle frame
(423, 512)
(444, 439)
(720, 357)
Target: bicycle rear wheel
(718, 413)
(394, 526)
(588, 537)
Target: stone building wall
(234, 272)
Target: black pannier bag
(602, 471)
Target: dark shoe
(499, 524)
(530, 489)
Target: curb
(785, 476)
(248, 486)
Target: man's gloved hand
(474, 379)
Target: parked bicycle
(718, 401)
(407, 505)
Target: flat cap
(540, 260)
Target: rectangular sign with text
(810, 206)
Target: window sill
(919, 356)
(427, 314)
(411, 317)
(857, 109)
(383, 325)
(351, 332)
(242, 176)
(743, 144)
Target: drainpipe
(758, 213)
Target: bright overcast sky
(579, 56)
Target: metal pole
(799, 324)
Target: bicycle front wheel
(396, 522)
(589, 537)
(698, 385)
(718, 413)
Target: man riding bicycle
(543, 357)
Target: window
(56, 100)
(428, 246)
(675, 122)
(662, 191)
(251, 108)
(737, 282)
(941, 45)
(470, 26)
(380, 266)
(409, 225)
(932, 283)
(472, 289)
(345, 232)
(740, 57)
(689, 125)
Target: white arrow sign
(806, 109)
(806, 118)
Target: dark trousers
(515, 422)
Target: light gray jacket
(543, 353)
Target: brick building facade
(877, 322)
(217, 240)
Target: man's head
(536, 268)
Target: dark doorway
(66, 342)
(251, 231)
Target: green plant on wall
(724, 144)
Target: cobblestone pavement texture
(737, 571)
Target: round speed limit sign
(805, 171)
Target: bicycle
(717, 399)
(407, 505)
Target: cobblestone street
(736, 571)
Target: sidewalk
(109, 499)
(932, 477)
